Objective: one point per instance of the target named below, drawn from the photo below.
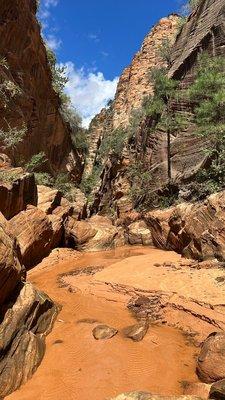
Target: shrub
(43, 178)
(36, 162)
(207, 92)
(113, 143)
(12, 136)
(64, 184)
(9, 176)
(73, 119)
(89, 183)
(165, 51)
(59, 78)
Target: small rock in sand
(101, 332)
(136, 332)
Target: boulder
(77, 233)
(136, 332)
(34, 233)
(48, 198)
(139, 233)
(193, 230)
(10, 268)
(211, 361)
(15, 196)
(106, 234)
(27, 320)
(64, 210)
(102, 332)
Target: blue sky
(96, 39)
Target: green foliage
(181, 22)
(207, 92)
(164, 87)
(12, 136)
(78, 134)
(59, 78)
(43, 178)
(36, 162)
(113, 143)
(165, 51)
(140, 180)
(89, 183)
(9, 176)
(64, 184)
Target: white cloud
(89, 91)
(45, 11)
(53, 42)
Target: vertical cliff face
(203, 31)
(133, 86)
(26, 94)
(134, 83)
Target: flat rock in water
(101, 332)
(136, 332)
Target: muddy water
(77, 367)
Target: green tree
(208, 93)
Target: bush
(64, 184)
(208, 93)
(9, 176)
(88, 184)
(43, 178)
(36, 162)
(59, 78)
(73, 119)
(12, 136)
(113, 143)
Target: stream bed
(78, 367)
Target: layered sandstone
(27, 316)
(27, 97)
(133, 86)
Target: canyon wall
(203, 31)
(27, 98)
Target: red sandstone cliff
(26, 93)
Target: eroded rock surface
(10, 267)
(149, 396)
(34, 233)
(15, 196)
(136, 332)
(28, 318)
(193, 230)
(103, 332)
(93, 234)
(211, 361)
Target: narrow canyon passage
(76, 366)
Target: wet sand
(76, 366)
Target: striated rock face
(204, 31)
(133, 86)
(27, 97)
(15, 196)
(34, 233)
(94, 234)
(193, 230)
(26, 318)
(10, 268)
(134, 83)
